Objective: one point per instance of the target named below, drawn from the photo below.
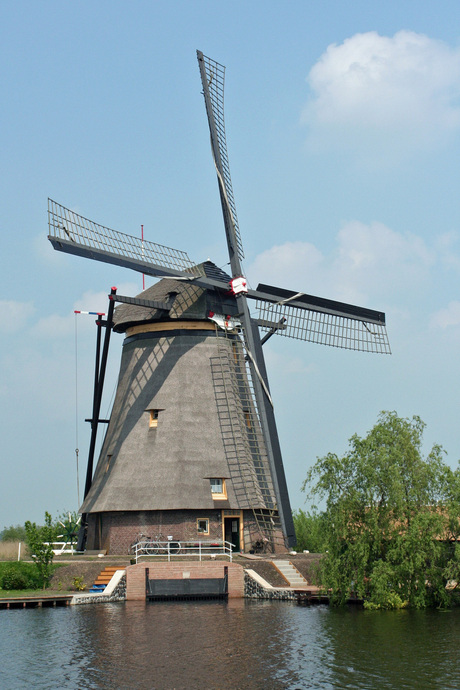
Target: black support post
(99, 376)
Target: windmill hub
(239, 286)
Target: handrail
(62, 544)
(173, 548)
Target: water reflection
(394, 649)
(242, 644)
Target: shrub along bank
(19, 576)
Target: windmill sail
(69, 232)
(324, 327)
(320, 320)
(213, 79)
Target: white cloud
(53, 326)
(57, 326)
(403, 89)
(14, 315)
(447, 245)
(373, 259)
(448, 317)
(368, 262)
(92, 301)
(288, 264)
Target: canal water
(240, 644)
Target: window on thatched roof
(218, 488)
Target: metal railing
(172, 549)
(60, 547)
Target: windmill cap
(181, 299)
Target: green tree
(392, 519)
(13, 533)
(40, 543)
(309, 530)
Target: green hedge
(19, 575)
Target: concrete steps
(290, 574)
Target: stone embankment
(255, 587)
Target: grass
(9, 551)
(20, 593)
(63, 577)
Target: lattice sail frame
(70, 226)
(215, 81)
(325, 329)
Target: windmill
(191, 445)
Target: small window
(153, 423)
(247, 417)
(202, 526)
(218, 488)
(109, 459)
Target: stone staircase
(290, 574)
(103, 579)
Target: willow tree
(391, 520)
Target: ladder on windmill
(242, 436)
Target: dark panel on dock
(203, 588)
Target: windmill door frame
(236, 536)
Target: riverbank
(87, 568)
(306, 563)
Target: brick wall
(136, 576)
(116, 531)
(120, 529)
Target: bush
(40, 542)
(78, 583)
(19, 576)
(14, 579)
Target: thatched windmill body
(191, 448)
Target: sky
(343, 134)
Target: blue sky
(343, 131)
